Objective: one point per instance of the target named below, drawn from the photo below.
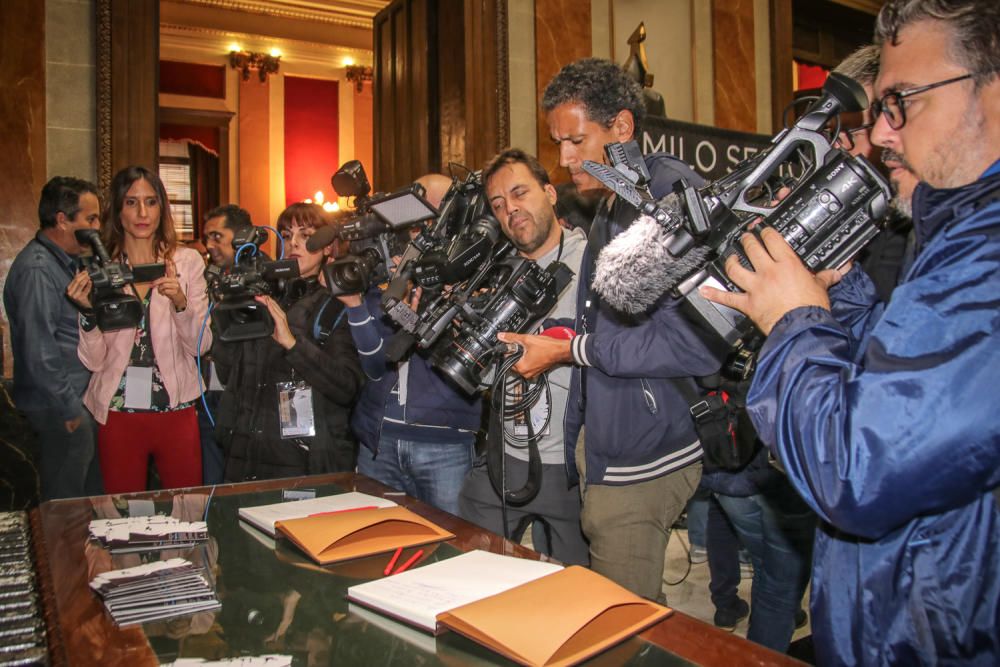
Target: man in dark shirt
(49, 379)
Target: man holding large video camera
(882, 414)
(523, 200)
(49, 379)
(640, 458)
(417, 431)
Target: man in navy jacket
(640, 459)
(884, 415)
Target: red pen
(411, 561)
(349, 509)
(392, 561)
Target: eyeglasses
(894, 106)
(846, 137)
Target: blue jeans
(213, 460)
(427, 471)
(697, 517)
(777, 528)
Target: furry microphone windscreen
(635, 269)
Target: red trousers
(128, 439)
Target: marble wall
(70, 100)
(735, 65)
(22, 133)
(562, 35)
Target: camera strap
(326, 320)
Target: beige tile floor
(691, 595)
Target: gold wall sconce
(359, 74)
(245, 61)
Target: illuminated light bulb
(329, 206)
(276, 52)
(234, 47)
(348, 61)
(307, 201)
(318, 197)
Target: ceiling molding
(356, 13)
(210, 45)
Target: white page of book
(418, 596)
(264, 517)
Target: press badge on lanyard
(295, 410)
(138, 387)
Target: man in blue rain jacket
(885, 415)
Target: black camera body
(236, 314)
(114, 308)
(376, 233)
(523, 294)
(451, 250)
(835, 207)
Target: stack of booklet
(531, 612)
(147, 533)
(155, 591)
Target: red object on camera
(561, 333)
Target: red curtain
(311, 137)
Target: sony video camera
(236, 314)
(114, 308)
(448, 252)
(835, 206)
(460, 324)
(376, 232)
(520, 293)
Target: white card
(139, 387)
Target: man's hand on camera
(282, 334)
(540, 353)
(778, 283)
(78, 290)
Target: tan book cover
(560, 619)
(340, 536)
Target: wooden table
(258, 583)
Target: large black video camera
(448, 252)
(236, 314)
(835, 206)
(460, 324)
(376, 232)
(114, 308)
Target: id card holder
(538, 413)
(295, 410)
(138, 387)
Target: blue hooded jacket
(886, 420)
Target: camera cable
(509, 398)
(201, 385)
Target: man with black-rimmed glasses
(884, 415)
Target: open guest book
(263, 517)
(337, 536)
(531, 612)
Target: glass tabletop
(276, 600)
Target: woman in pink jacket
(145, 380)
